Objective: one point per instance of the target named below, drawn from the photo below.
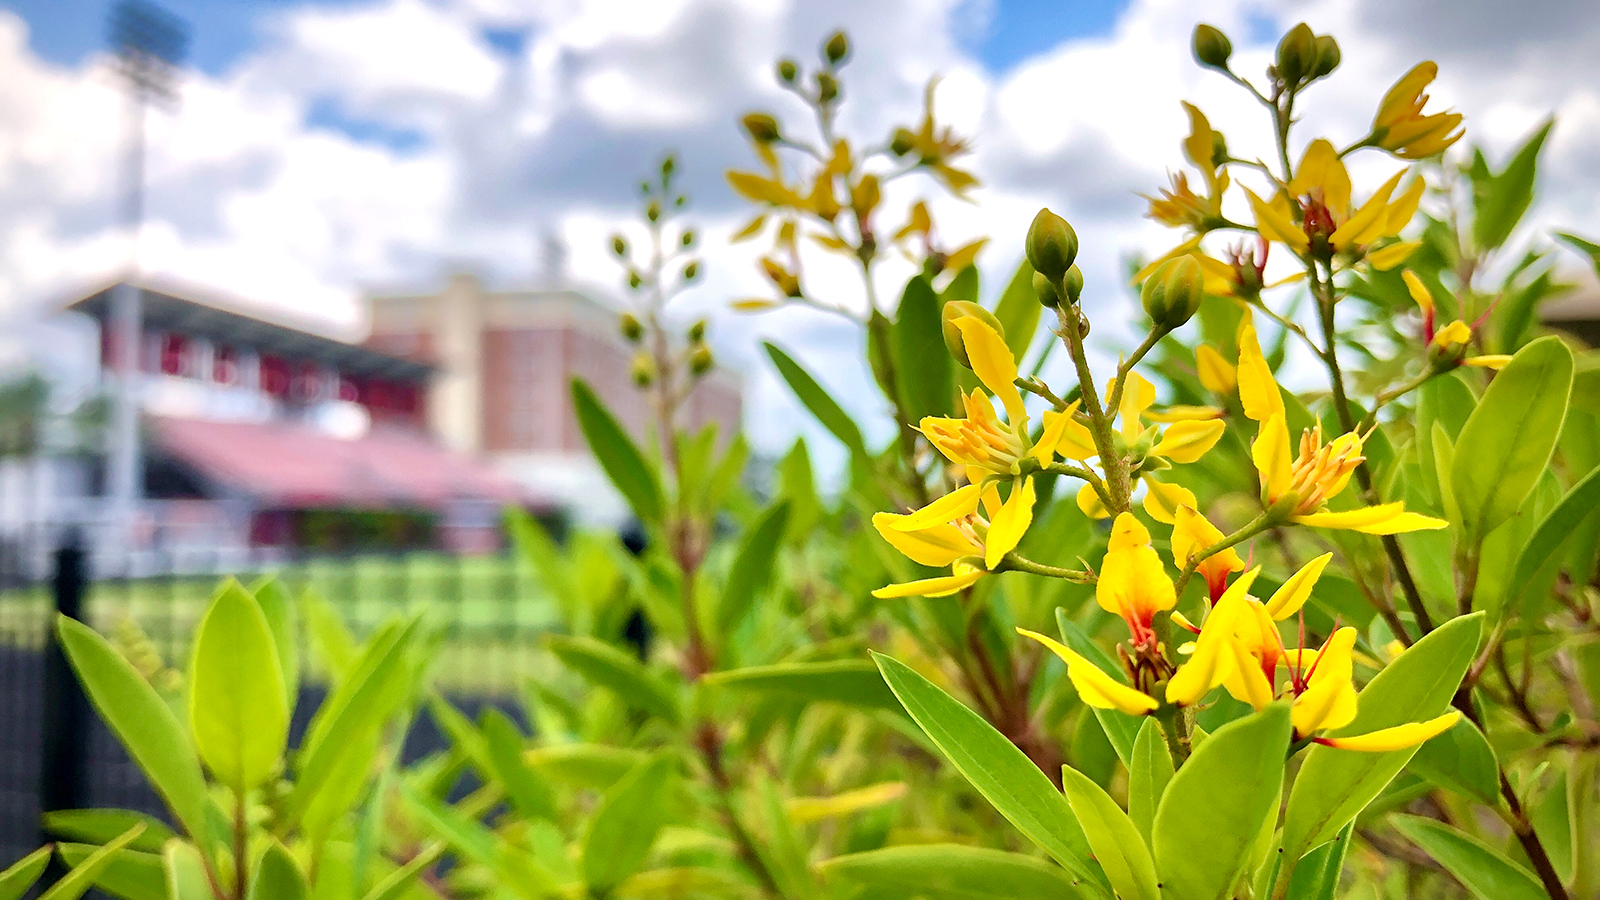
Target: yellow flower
(1096, 687)
(1326, 700)
(1447, 344)
(1191, 533)
(1329, 222)
(950, 532)
(1182, 207)
(1133, 583)
(1216, 373)
(1299, 485)
(980, 442)
(1402, 129)
(1189, 432)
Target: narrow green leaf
(1508, 194)
(816, 399)
(185, 871)
(542, 553)
(1460, 760)
(1334, 785)
(83, 875)
(1317, 876)
(1586, 247)
(278, 877)
(504, 745)
(101, 826)
(1148, 775)
(143, 722)
(596, 766)
(237, 704)
(329, 636)
(920, 354)
(283, 620)
(1507, 441)
(1117, 844)
(848, 681)
(610, 667)
(513, 868)
(398, 882)
(627, 822)
(752, 567)
(21, 875)
(1018, 310)
(131, 874)
(618, 455)
(952, 870)
(1004, 775)
(1483, 872)
(1558, 524)
(1216, 804)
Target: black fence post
(64, 725)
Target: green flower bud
(957, 309)
(827, 87)
(1045, 290)
(762, 128)
(688, 238)
(1297, 54)
(1211, 47)
(631, 328)
(788, 71)
(1052, 245)
(700, 359)
(634, 280)
(697, 331)
(1172, 294)
(667, 165)
(1328, 56)
(836, 48)
(643, 370)
(653, 211)
(903, 142)
(692, 270)
(618, 245)
(1072, 283)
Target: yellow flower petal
(1162, 500)
(1329, 701)
(1287, 600)
(1009, 524)
(1133, 583)
(1247, 682)
(1397, 738)
(1404, 207)
(1185, 442)
(1216, 373)
(1212, 662)
(1271, 454)
(1401, 102)
(1386, 258)
(1089, 502)
(939, 545)
(993, 363)
(1064, 435)
(1389, 518)
(1184, 413)
(1419, 291)
(1258, 390)
(1096, 687)
(1367, 223)
(1320, 167)
(943, 586)
(1494, 361)
(959, 503)
(1276, 225)
(1138, 395)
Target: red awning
(296, 466)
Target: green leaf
(1117, 845)
(1317, 876)
(951, 870)
(512, 867)
(131, 875)
(1460, 760)
(1148, 776)
(143, 722)
(398, 882)
(626, 823)
(185, 871)
(1507, 195)
(542, 553)
(815, 398)
(504, 745)
(610, 667)
(237, 705)
(1018, 310)
(618, 455)
(1334, 785)
(1120, 728)
(1586, 247)
(597, 766)
(16, 880)
(282, 618)
(752, 567)
(278, 877)
(848, 681)
(920, 354)
(101, 826)
(332, 640)
(1507, 441)
(1559, 524)
(83, 875)
(1216, 804)
(1004, 775)
(1484, 873)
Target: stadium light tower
(149, 43)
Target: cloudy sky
(321, 149)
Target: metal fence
(490, 609)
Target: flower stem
(1118, 485)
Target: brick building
(505, 361)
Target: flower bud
(700, 359)
(668, 163)
(836, 48)
(697, 331)
(762, 128)
(653, 211)
(788, 71)
(1052, 245)
(957, 309)
(827, 87)
(643, 370)
(688, 238)
(1297, 54)
(903, 142)
(1046, 291)
(692, 270)
(631, 328)
(1211, 47)
(1072, 283)
(634, 280)
(618, 245)
(1172, 294)
(1328, 56)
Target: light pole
(149, 44)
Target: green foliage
(618, 455)
(238, 707)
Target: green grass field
(491, 609)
